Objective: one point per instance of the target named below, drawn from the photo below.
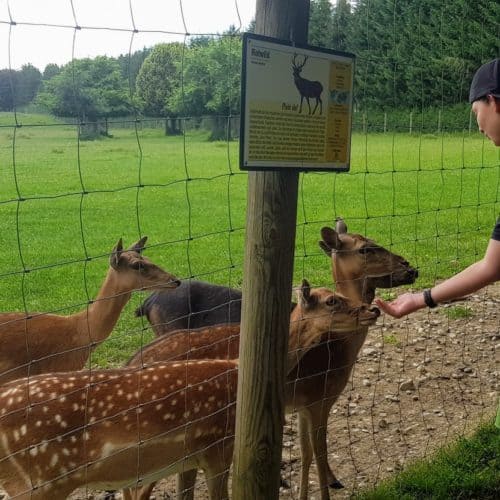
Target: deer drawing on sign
(306, 88)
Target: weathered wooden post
(267, 282)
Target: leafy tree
(28, 82)
(8, 79)
(416, 55)
(211, 83)
(131, 64)
(18, 88)
(320, 23)
(340, 25)
(89, 90)
(158, 78)
(50, 71)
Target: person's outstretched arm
(474, 277)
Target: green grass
(458, 312)
(430, 198)
(468, 469)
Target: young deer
(40, 343)
(222, 342)
(359, 266)
(131, 426)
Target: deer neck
(351, 285)
(303, 335)
(344, 350)
(99, 319)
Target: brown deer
(131, 426)
(306, 88)
(40, 342)
(359, 266)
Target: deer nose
(177, 282)
(375, 310)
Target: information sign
(296, 106)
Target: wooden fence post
(267, 282)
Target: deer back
(63, 430)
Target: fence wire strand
(417, 383)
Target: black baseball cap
(486, 81)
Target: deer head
(321, 311)
(297, 67)
(359, 265)
(137, 271)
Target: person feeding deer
(484, 96)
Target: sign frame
(340, 122)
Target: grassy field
(64, 204)
(468, 469)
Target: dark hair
(484, 98)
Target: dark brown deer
(40, 342)
(131, 426)
(195, 304)
(307, 88)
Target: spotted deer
(359, 265)
(39, 343)
(128, 427)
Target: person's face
(488, 118)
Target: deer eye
(331, 301)
(366, 250)
(137, 265)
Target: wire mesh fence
(423, 184)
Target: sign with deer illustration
(296, 106)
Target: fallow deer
(131, 426)
(195, 304)
(222, 342)
(39, 343)
(306, 88)
(359, 265)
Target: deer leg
(317, 434)
(127, 494)
(319, 424)
(139, 493)
(318, 101)
(308, 104)
(217, 483)
(186, 482)
(301, 101)
(306, 453)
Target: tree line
(409, 55)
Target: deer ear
(340, 226)
(305, 293)
(325, 247)
(114, 258)
(139, 246)
(331, 239)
